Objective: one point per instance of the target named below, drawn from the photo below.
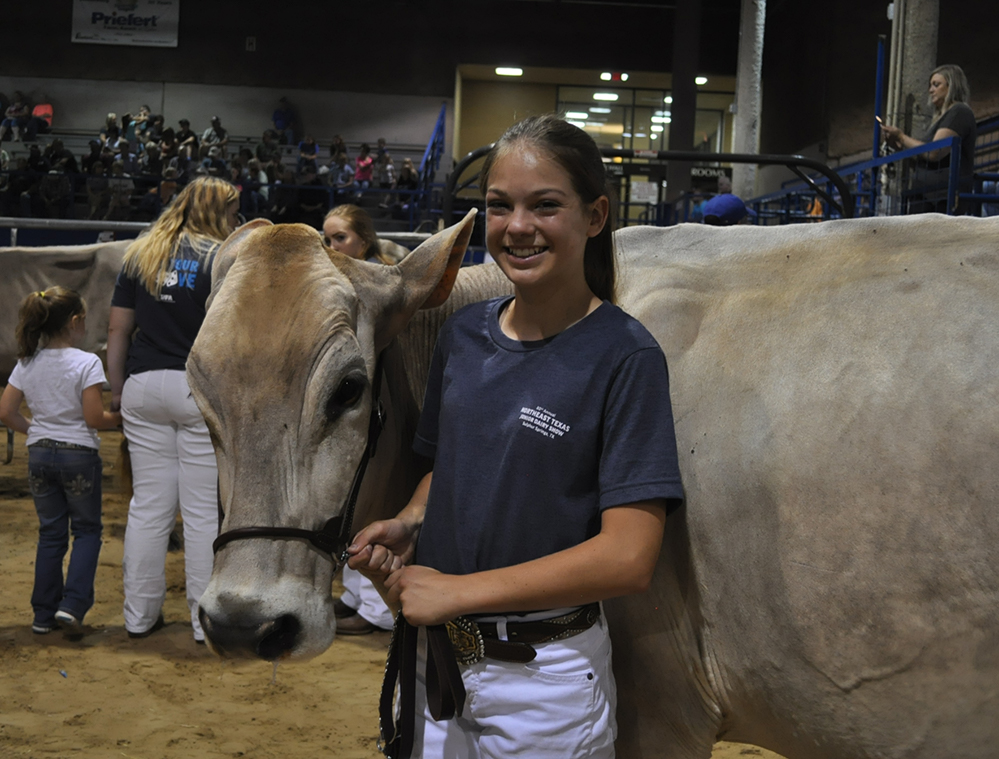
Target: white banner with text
(148, 23)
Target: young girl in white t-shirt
(62, 387)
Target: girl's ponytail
(44, 314)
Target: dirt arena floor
(164, 697)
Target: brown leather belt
(465, 641)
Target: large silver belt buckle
(466, 640)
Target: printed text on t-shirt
(543, 421)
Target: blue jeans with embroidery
(66, 486)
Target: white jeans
(359, 593)
(562, 705)
(173, 464)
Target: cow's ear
(423, 279)
(228, 252)
(433, 267)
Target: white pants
(359, 593)
(173, 464)
(562, 705)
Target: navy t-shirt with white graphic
(168, 324)
(531, 441)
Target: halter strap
(334, 537)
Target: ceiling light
(624, 77)
(662, 113)
(668, 99)
(599, 109)
(608, 96)
(660, 119)
(509, 71)
(657, 127)
(640, 134)
(606, 76)
(626, 134)
(700, 80)
(577, 115)
(580, 124)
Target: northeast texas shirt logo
(541, 420)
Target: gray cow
(831, 588)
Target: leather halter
(334, 537)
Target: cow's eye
(347, 394)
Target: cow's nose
(268, 639)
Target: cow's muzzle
(270, 639)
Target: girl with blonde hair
(156, 311)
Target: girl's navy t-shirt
(531, 441)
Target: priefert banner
(151, 23)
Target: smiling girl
(548, 419)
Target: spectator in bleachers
(121, 188)
(88, 161)
(338, 146)
(381, 148)
(342, 177)
(151, 162)
(386, 177)
(98, 191)
(187, 139)
(110, 132)
(136, 128)
(154, 133)
(285, 196)
(409, 177)
(213, 161)
(36, 161)
(284, 122)
(15, 118)
(313, 197)
(267, 146)
(158, 197)
(308, 153)
(56, 193)
(168, 144)
(948, 94)
(60, 157)
(363, 169)
(258, 180)
(127, 159)
(724, 185)
(18, 200)
(216, 135)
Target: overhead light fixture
(599, 109)
(509, 71)
(626, 134)
(606, 76)
(662, 113)
(668, 99)
(577, 115)
(657, 127)
(580, 124)
(699, 80)
(660, 119)
(640, 134)
(610, 97)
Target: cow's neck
(395, 470)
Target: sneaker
(159, 624)
(68, 621)
(43, 628)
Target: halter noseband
(334, 537)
